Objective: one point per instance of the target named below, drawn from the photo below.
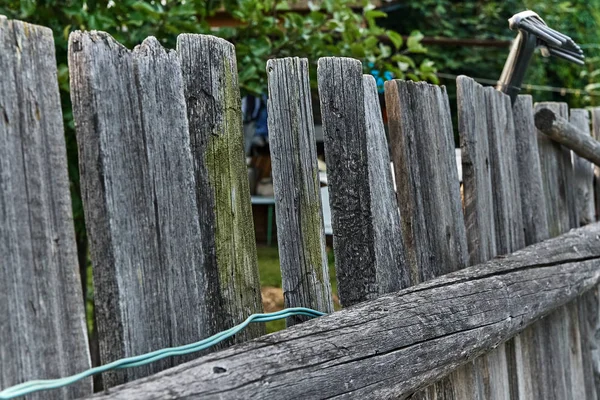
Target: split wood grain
(222, 191)
(301, 237)
(360, 259)
(42, 319)
(422, 144)
(443, 323)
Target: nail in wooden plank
(301, 237)
(42, 319)
(222, 191)
(151, 288)
(422, 144)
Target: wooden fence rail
(391, 346)
(167, 206)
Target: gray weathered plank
(151, 288)
(341, 95)
(488, 187)
(557, 174)
(555, 361)
(503, 167)
(533, 202)
(589, 327)
(391, 346)
(583, 172)
(42, 325)
(422, 140)
(301, 237)
(222, 189)
(596, 135)
(477, 181)
(392, 271)
(526, 352)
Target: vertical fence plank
(138, 188)
(583, 173)
(487, 191)
(42, 324)
(391, 268)
(506, 191)
(533, 203)
(596, 135)
(427, 182)
(527, 351)
(433, 228)
(587, 309)
(347, 130)
(477, 182)
(301, 237)
(222, 188)
(557, 172)
(559, 361)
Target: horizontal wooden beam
(391, 346)
(565, 133)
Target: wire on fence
(47, 384)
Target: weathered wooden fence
(442, 299)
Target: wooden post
(392, 271)
(533, 203)
(214, 112)
(360, 272)
(42, 319)
(557, 172)
(427, 182)
(304, 268)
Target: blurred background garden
(431, 40)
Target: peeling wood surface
(301, 237)
(42, 319)
(444, 323)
